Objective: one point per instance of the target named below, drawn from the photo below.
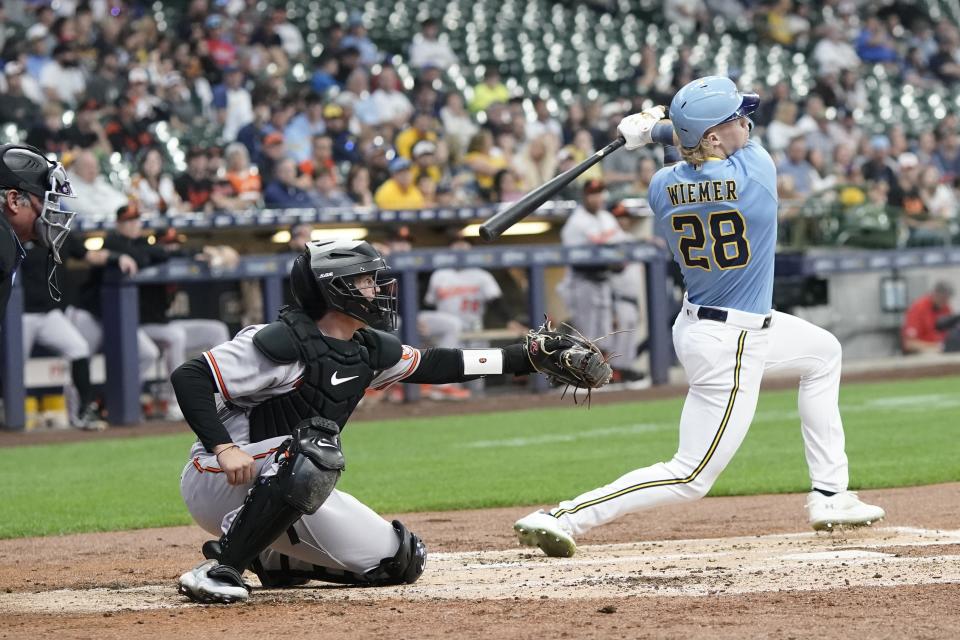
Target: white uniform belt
(735, 317)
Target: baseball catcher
(268, 408)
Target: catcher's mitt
(567, 359)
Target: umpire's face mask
(53, 224)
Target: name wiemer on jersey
(707, 191)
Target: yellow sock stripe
(703, 463)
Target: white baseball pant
(92, 331)
(343, 534)
(724, 363)
(54, 331)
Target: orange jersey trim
(216, 372)
(406, 372)
(260, 456)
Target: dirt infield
(722, 568)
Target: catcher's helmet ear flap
(324, 277)
(707, 102)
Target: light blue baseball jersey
(720, 221)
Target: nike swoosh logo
(334, 380)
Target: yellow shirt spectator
(399, 192)
(489, 91)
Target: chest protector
(336, 372)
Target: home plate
(874, 557)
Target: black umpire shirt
(11, 255)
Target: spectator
(62, 79)
(878, 165)
(15, 106)
(945, 63)
(947, 156)
(392, 108)
(321, 158)
(300, 235)
(506, 186)
(928, 322)
(576, 120)
(325, 71)
(796, 166)
(544, 123)
(783, 128)
(302, 128)
(377, 157)
(282, 192)
(537, 161)
(423, 127)
(458, 127)
(425, 161)
(939, 199)
(244, 177)
(153, 188)
(95, 196)
(139, 93)
(640, 187)
(489, 92)
(431, 48)
(274, 150)
(193, 185)
(483, 162)
(86, 132)
(834, 54)
(221, 50)
(38, 47)
(126, 132)
(874, 43)
(685, 14)
(344, 143)
(233, 102)
(358, 186)
(357, 38)
(399, 192)
(251, 135)
(326, 192)
(618, 169)
(287, 35)
(427, 187)
(580, 149)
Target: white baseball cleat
(843, 509)
(542, 530)
(224, 587)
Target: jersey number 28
(730, 248)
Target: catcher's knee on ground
(404, 567)
(307, 475)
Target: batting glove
(636, 128)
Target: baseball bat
(503, 220)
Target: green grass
(898, 434)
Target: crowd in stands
(229, 108)
(266, 122)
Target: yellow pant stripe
(700, 467)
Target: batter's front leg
(725, 366)
(801, 348)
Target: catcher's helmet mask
(27, 170)
(323, 278)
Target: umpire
(32, 189)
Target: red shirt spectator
(920, 333)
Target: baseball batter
(268, 408)
(717, 210)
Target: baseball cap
(908, 160)
(129, 211)
(880, 142)
(213, 21)
(398, 164)
(13, 68)
(593, 186)
(422, 148)
(138, 75)
(274, 137)
(37, 32)
(333, 111)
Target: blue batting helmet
(707, 102)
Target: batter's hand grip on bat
(503, 220)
